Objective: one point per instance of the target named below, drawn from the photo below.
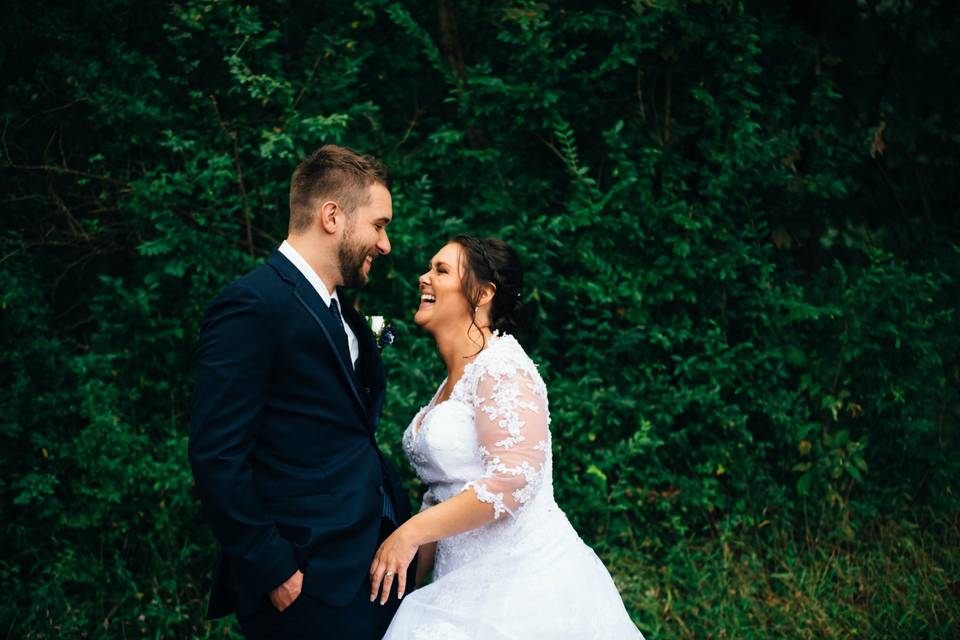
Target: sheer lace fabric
(510, 415)
(492, 437)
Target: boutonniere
(382, 331)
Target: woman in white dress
(506, 562)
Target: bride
(506, 562)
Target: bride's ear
(487, 292)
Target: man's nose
(384, 244)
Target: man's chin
(359, 279)
(356, 278)
(363, 273)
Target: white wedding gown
(527, 575)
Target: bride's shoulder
(504, 356)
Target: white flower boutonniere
(382, 331)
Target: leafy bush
(738, 224)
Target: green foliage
(738, 222)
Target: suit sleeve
(234, 366)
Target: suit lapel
(369, 365)
(304, 292)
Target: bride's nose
(424, 280)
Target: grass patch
(894, 578)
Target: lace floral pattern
(512, 423)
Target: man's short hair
(332, 173)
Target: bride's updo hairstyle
(493, 261)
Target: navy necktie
(340, 336)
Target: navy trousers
(310, 619)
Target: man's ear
(330, 216)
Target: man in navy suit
(288, 396)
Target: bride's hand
(391, 561)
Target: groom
(287, 400)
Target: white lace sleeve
(513, 432)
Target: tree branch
(450, 39)
(232, 134)
(73, 172)
(313, 72)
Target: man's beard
(352, 255)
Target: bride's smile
(442, 299)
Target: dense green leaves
(738, 221)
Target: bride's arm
(512, 431)
(457, 515)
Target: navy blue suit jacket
(283, 445)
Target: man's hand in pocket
(284, 595)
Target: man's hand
(284, 595)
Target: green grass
(892, 579)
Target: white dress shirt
(315, 281)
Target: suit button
(380, 489)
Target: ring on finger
(389, 574)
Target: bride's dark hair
(493, 261)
